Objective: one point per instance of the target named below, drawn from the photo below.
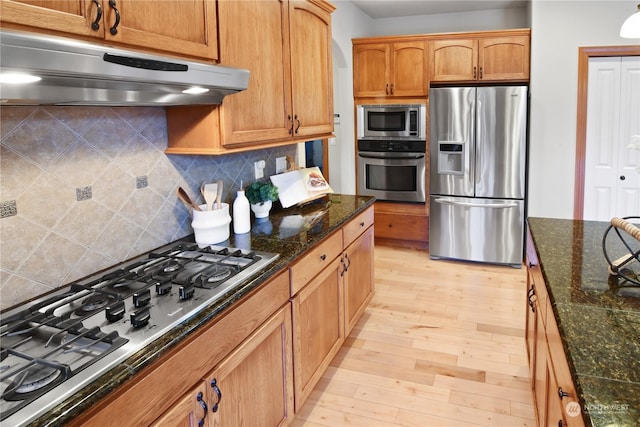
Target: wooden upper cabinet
(287, 48)
(504, 58)
(390, 69)
(453, 60)
(174, 27)
(487, 58)
(254, 36)
(311, 69)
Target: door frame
(584, 54)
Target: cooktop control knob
(142, 298)
(115, 311)
(140, 318)
(186, 291)
(163, 287)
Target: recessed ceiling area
(395, 8)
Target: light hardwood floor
(441, 344)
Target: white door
(612, 163)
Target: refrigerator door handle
(445, 201)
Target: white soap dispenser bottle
(241, 213)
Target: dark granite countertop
(598, 317)
(289, 232)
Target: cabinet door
(186, 28)
(371, 71)
(504, 58)
(318, 328)
(454, 60)
(254, 35)
(409, 69)
(358, 278)
(311, 69)
(66, 16)
(541, 370)
(190, 411)
(254, 384)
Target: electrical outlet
(281, 164)
(259, 168)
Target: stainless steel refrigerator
(477, 173)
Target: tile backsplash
(83, 188)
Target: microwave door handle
(390, 156)
(476, 205)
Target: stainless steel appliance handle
(394, 155)
(477, 205)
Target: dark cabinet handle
(562, 393)
(217, 391)
(344, 267)
(386, 89)
(348, 262)
(297, 120)
(95, 25)
(114, 29)
(291, 123)
(622, 177)
(362, 224)
(480, 73)
(475, 74)
(560, 423)
(391, 88)
(530, 295)
(204, 407)
(323, 257)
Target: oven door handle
(477, 205)
(369, 155)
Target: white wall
(558, 29)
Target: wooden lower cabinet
(402, 224)
(318, 328)
(190, 411)
(253, 386)
(551, 382)
(327, 302)
(358, 278)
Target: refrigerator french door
(477, 173)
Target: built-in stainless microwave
(392, 121)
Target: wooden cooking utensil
(219, 194)
(184, 197)
(210, 193)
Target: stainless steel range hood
(80, 73)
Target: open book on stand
(300, 186)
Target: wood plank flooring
(441, 344)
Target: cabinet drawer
(402, 227)
(316, 260)
(357, 226)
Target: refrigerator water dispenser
(451, 158)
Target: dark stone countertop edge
(590, 386)
(121, 374)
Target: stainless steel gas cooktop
(55, 345)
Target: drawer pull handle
(563, 393)
(346, 267)
(204, 406)
(217, 391)
(95, 25)
(323, 257)
(362, 224)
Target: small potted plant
(261, 195)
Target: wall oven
(392, 170)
